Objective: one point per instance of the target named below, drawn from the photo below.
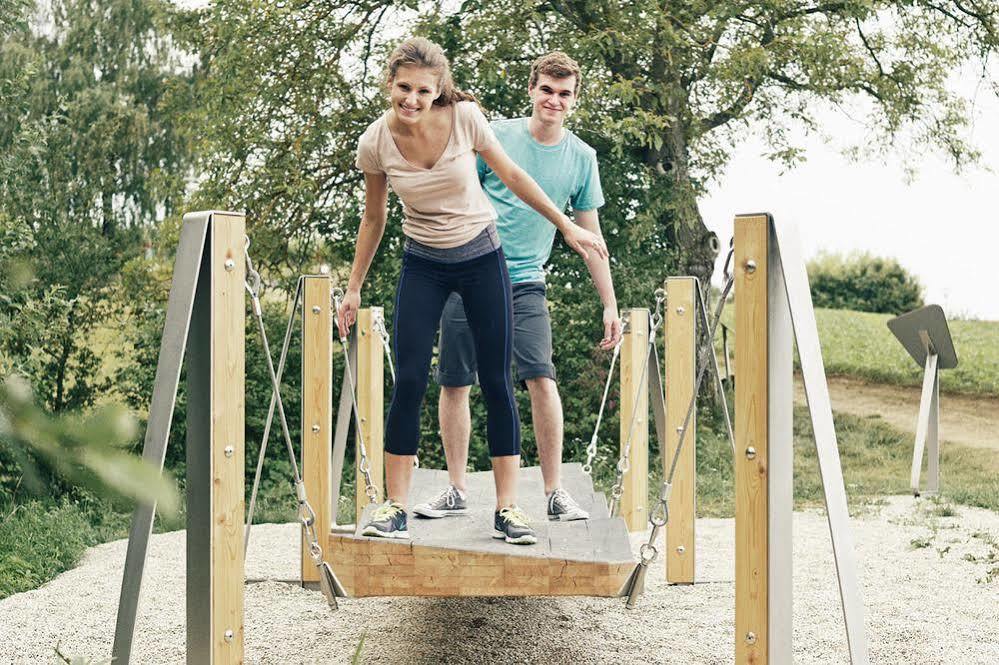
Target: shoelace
(515, 516)
(562, 499)
(385, 512)
(448, 496)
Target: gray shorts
(532, 338)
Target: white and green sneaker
(513, 526)
(388, 521)
(451, 501)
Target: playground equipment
(206, 309)
(925, 335)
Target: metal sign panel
(930, 323)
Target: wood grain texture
(635, 400)
(681, 354)
(227, 414)
(751, 492)
(317, 409)
(370, 405)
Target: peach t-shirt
(444, 205)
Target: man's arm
(599, 268)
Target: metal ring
(648, 553)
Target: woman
(425, 147)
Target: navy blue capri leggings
(424, 287)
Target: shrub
(864, 283)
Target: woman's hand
(583, 242)
(347, 313)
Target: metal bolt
(315, 427)
(316, 309)
(679, 429)
(750, 266)
(750, 637)
(229, 265)
(681, 549)
(228, 636)
(680, 311)
(228, 451)
(750, 453)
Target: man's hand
(347, 314)
(583, 242)
(612, 329)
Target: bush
(863, 283)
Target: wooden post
(215, 450)
(635, 400)
(751, 436)
(680, 370)
(370, 404)
(317, 409)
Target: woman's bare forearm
(369, 236)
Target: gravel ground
(923, 605)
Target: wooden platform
(457, 556)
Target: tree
(285, 89)
(89, 163)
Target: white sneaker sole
(370, 531)
(523, 540)
(569, 517)
(427, 511)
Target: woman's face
(413, 91)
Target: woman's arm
(369, 235)
(521, 184)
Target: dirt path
(970, 421)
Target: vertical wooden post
(317, 408)
(680, 370)
(751, 435)
(635, 400)
(215, 454)
(370, 403)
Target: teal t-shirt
(567, 172)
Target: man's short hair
(557, 65)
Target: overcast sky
(942, 227)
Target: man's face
(552, 98)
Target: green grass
(875, 457)
(40, 539)
(859, 344)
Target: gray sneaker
(562, 507)
(450, 501)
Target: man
(566, 169)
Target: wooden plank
(370, 405)
(370, 567)
(228, 231)
(317, 409)
(635, 402)
(751, 492)
(680, 370)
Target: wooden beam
(370, 404)
(751, 435)
(680, 370)
(317, 409)
(635, 400)
(372, 567)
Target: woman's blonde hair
(421, 52)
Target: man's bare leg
(546, 412)
(456, 428)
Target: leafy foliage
(863, 283)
